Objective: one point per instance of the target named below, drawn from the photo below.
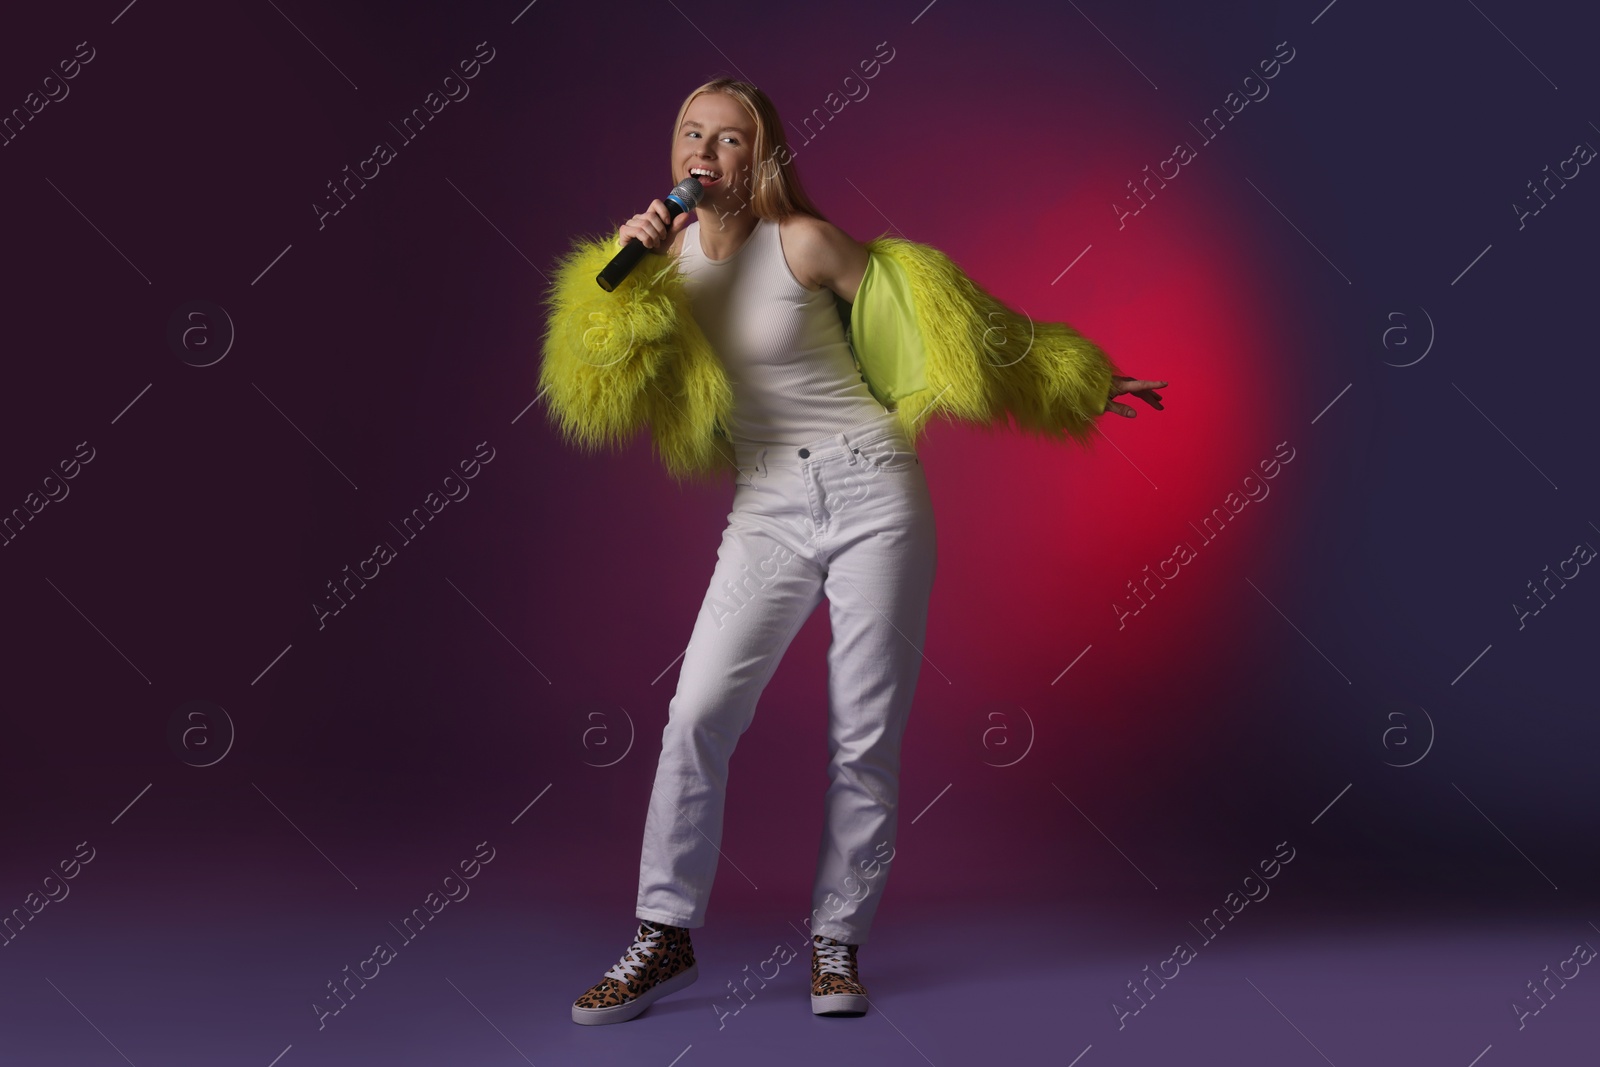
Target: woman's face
(716, 136)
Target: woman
(730, 346)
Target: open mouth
(706, 176)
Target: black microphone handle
(621, 263)
(632, 252)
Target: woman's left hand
(1146, 391)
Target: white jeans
(848, 517)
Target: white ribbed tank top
(782, 345)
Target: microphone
(685, 195)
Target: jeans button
(804, 452)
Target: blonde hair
(778, 192)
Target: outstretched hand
(1146, 391)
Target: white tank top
(782, 345)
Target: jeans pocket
(889, 455)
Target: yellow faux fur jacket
(927, 339)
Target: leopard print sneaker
(836, 987)
(660, 961)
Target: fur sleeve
(978, 358)
(601, 350)
(616, 362)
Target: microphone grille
(689, 191)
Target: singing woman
(760, 343)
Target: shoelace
(833, 958)
(643, 945)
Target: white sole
(838, 1002)
(618, 1013)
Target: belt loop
(761, 462)
(850, 452)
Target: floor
(1286, 982)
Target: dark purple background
(1360, 610)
